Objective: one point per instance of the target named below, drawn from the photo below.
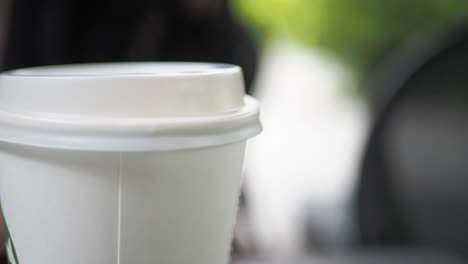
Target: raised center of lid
(136, 90)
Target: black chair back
(414, 179)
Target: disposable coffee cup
(122, 163)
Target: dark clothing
(45, 32)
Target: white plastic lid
(126, 106)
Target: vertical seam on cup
(119, 209)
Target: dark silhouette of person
(46, 32)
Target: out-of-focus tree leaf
(359, 32)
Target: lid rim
(142, 144)
(215, 70)
(154, 134)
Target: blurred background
(364, 107)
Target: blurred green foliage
(359, 32)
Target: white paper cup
(122, 163)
